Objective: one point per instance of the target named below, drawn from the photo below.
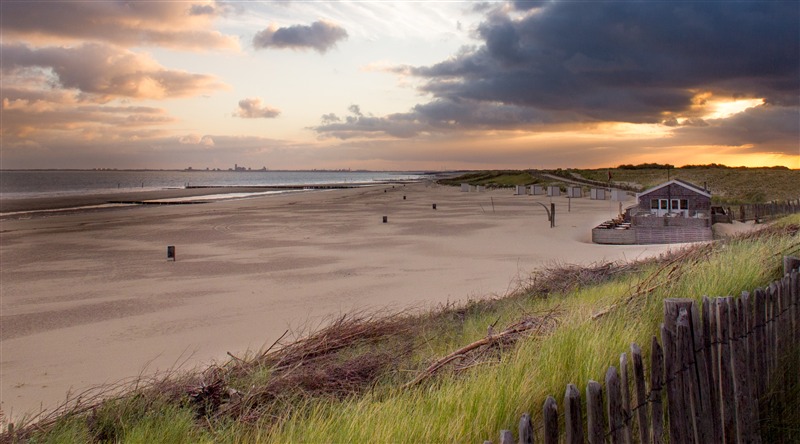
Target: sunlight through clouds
(510, 80)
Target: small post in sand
(171, 252)
(385, 219)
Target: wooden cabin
(674, 198)
(673, 212)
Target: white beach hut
(597, 194)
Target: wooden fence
(716, 362)
(765, 211)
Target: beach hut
(538, 190)
(597, 194)
(520, 190)
(675, 198)
(574, 191)
(673, 212)
(480, 188)
(553, 190)
(618, 195)
(465, 188)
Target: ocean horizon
(27, 184)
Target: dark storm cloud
(524, 5)
(358, 124)
(627, 61)
(438, 116)
(637, 62)
(771, 128)
(320, 36)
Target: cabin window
(675, 204)
(653, 204)
(684, 204)
(664, 204)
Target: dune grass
(501, 179)
(473, 407)
(729, 186)
(581, 320)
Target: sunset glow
(396, 85)
(723, 110)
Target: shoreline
(10, 207)
(89, 297)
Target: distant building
(673, 212)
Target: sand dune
(89, 298)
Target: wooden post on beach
(552, 215)
(385, 219)
(171, 252)
(434, 206)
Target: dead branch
(511, 332)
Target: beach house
(672, 212)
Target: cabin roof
(681, 183)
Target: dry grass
(729, 186)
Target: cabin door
(663, 207)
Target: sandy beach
(89, 297)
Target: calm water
(26, 184)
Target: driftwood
(491, 338)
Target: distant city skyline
(398, 85)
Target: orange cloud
(104, 72)
(252, 109)
(42, 117)
(180, 25)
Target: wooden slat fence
(713, 363)
(764, 211)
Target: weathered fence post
(794, 291)
(550, 421)
(795, 301)
(506, 437)
(656, 385)
(678, 400)
(640, 392)
(572, 415)
(702, 381)
(626, 396)
(710, 355)
(595, 423)
(616, 416)
(747, 406)
(697, 429)
(727, 402)
(760, 304)
(525, 429)
(770, 324)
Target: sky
(405, 85)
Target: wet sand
(89, 298)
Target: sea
(24, 184)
